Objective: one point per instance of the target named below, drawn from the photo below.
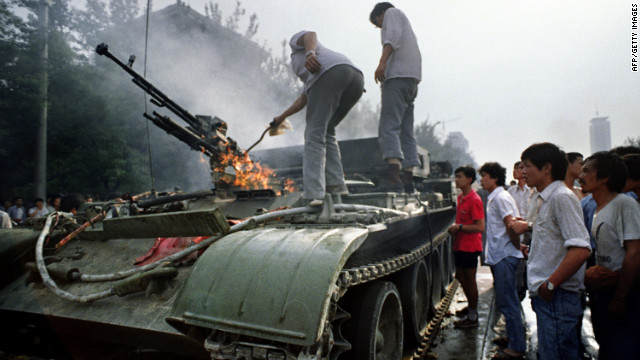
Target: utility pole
(41, 137)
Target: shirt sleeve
(294, 41)
(570, 221)
(507, 207)
(477, 209)
(391, 28)
(630, 220)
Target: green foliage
(632, 142)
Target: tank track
(362, 274)
(434, 326)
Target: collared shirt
(469, 210)
(406, 60)
(17, 212)
(558, 227)
(521, 196)
(500, 205)
(326, 57)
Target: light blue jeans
(558, 325)
(395, 130)
(507, 301)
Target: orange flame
(202, 160)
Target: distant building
(457, 140)
(600, 134)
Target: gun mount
(206, 134)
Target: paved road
(476, 343)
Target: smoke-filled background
(504, 74)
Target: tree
(426, 137)
(632, 142)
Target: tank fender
(273, 283)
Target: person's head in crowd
(464, 176)
(17, 201)
(574, 168)
(632, 162)
(601, 169)
(39, 202)
(517, 170)
(544, 163)
(89, 198)
(492, 175)
(625, 150)
(55, 201)
(377, 14)
(71, 202)
(6, 204)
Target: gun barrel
(159, 96)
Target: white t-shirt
(38, 212)
(500, 205)
(616, 223)
(405, 61)
(327, 59)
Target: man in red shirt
(467, 244)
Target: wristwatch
(309, 53)
(549, 285)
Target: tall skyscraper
(600, 134)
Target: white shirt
(5, 220)
(405, 61)
(327, 59)
(521, 196)
(38, 212)
(499, 246)
(559, 226)
(616, 223)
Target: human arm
(310, 42)
(476, 227)
(628, 277)
(575, 257)
(297, 105)
(515, 238)
(387, 50)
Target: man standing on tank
(399, 71)
(467, 243)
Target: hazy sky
(505, 73)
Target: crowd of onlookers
(568, 228)
(15, 212)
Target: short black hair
(608, 164)
(38, 199)
(517, 164)
(540, 154)
(468, 171)
(625, 150)
(632, 162)
(495, 171)
(572, 156)
(71, 201)
(378, 10)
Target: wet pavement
(476, 343)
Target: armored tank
(238, 271)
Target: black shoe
(465, 323)
(462, 312)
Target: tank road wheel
(378, 323)
(414, 287)
(435, 262)
(452, 260)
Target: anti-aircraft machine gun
(204, 133)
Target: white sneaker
(316, 202)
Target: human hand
(312, 64)
(277, 121)
(453, 229)
(544, 293)
(379, 74)
(518, 226)
(525, 250)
